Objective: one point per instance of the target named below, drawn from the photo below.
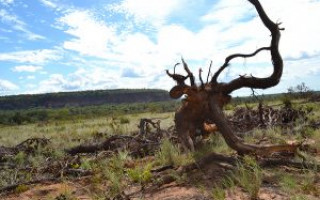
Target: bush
(286, 100)
(140, 174)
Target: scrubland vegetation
(166, 172)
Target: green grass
(170, 154)
(216, 143)
(218, 193)
(288, 183)
(249, 176)
(141, 174)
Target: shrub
(286, 100)
(21, 188)
(140, 174)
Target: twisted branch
(229, 58)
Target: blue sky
(70, 45)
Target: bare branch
(174, 68)
(190, 75)
(274, 78)
(209, 71)
(177, 77)
(229, 58)
(200, 78)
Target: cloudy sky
(69, 45)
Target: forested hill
(83, 98)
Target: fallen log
(116, 143)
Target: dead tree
(205, 102)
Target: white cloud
(31, 77)
(297, 70)
(80, 80)
(32, 36)
(91, 36)
(298, 17)
(8, 18)
(236, 33)
(56, 5)
(98, 78)
(220, 37)
(6, 2)
(154, 12)
(6, 86)
(32, 56)
(141, 55)
(49, 4)
(18, 25)
(227, 12)
(26, 68)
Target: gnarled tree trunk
(205, 102)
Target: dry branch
(144, 143)
(275, 162)
(143, 126)
(27, 146)
(115, 143)
(229, 58)
(274, 78)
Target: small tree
(17, 118)
(301, 90)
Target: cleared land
(50, 159)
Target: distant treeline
(309, 95)
(253, 99)
(36, 115)
(42, 108)
(82, 98)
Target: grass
(308, 183)
(299, 197)
(109, 172)
(299, 185)
(141, 174)
(288, 183)
(111, 176)
(249, 176)
(216, 143)
(170, 154)
(65, 134)
(218, 193)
